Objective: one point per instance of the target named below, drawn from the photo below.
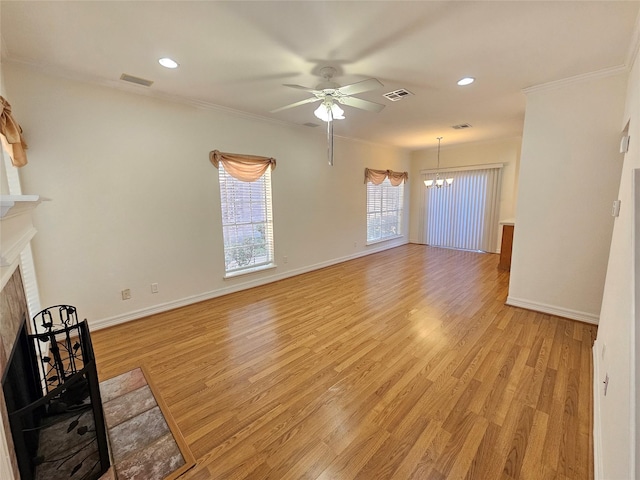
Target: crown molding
(634, 45)
(583, 77)
(163, 96)
(55, 71)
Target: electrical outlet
(285, 259)
(126, 294)
(154, 288)
(355, 244)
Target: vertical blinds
(465, 215)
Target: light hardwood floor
(404, 364)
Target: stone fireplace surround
(13, 311)
(17, 231)
(42, 449)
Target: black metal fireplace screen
(53, 400)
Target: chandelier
(438, 182)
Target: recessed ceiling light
(167, 62)
(466, 81)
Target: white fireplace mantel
(16, 230)
(12, 205)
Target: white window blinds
(384, 211)
(247, 222)
(465, 215)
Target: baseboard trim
(553, 310)
(183, 302)
(597, 439)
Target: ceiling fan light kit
(329, 111)
(330, 94)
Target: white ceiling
(237, 54)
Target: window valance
(12, 135)
(377, 176)
(247, 168)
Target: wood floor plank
(356, 455)
(519, 443)
(404, 364)
(532, 463)
(426, 466)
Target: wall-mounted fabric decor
(247, 168)
(11, 135)
(377, 176)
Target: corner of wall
(597, 435)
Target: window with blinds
(247, 223)
(384, 211)
(464, 215)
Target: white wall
(505, 151)
(614, 351)
(136, 201)
(569, 176)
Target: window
(384, 211)
(247, 223)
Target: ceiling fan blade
(297, 104)
(362, 104)
(359, 87)
(300, 87)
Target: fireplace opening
(20, 387)
(53, 400)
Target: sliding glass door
(464, 215)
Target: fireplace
(13, 312)
(53, 408)
(20, 388)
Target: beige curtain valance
(377, 176)
(11, 135)
(247, 168)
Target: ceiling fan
(331, 95)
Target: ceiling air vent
(462, 126)
(311, 124)
(397, 94)
(136, 80)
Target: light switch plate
(615, 210)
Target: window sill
(249, 270)
(373, 242)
